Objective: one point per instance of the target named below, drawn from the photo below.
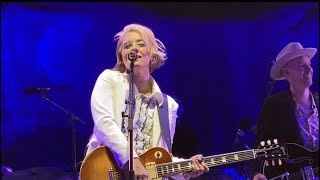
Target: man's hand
(259, 177)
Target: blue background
(219, 57)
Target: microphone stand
(73, 119)
(239, 145)
(130, 118)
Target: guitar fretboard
(169, 169)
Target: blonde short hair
(157, 51)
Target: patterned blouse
(144, 108)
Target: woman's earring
(154, 58)
(153, 61)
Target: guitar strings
(185, 166)
(172, 168)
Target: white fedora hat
(289, 52)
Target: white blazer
(108, 101)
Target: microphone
(36, 90)
(133, 55)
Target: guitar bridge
(152, 169)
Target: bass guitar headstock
(272, 152)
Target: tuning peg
(275, 141)
(269, 142)
(273, 163)
(262, 143)
(266, 163)
(279, 162)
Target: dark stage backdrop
(219, 57)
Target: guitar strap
(164, 121)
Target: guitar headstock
(272, 152)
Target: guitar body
(157, 155)
(97, 164)
(101, 164)
(299, 157)
(302, 155)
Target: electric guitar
(299, 158)
(101, 164)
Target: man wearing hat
(291, 116)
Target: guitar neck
(222, 159)
(169, 169)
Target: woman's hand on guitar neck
(198, 167)
(140, 171)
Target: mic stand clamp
(72, 119)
